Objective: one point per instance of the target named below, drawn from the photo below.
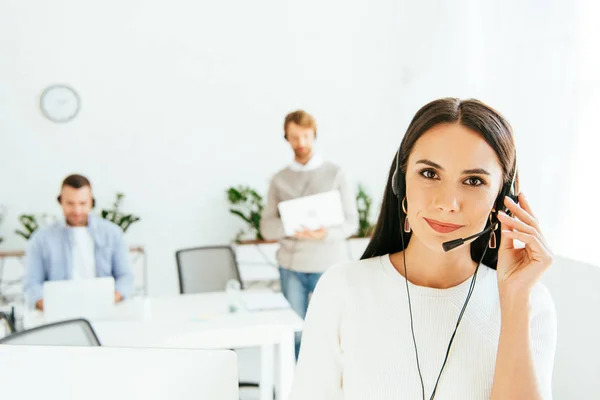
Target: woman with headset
(443, 304)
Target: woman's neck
(429, 268)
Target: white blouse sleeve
(543, 337)
(319, 369)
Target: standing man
(82, 246)
(304, 257)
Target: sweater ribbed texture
(357, 342)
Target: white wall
(574, 289)
(584, 187)
(183, 99)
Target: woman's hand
(519, 269)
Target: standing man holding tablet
(305, 256)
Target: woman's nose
(446, 199)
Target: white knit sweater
(357, 342)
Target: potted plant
(31, 222)
(247, 204)
(124, 221)
(363, 204)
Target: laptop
(322, 210)
(92, 299)
(100, 373)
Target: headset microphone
(452, 244)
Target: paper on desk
(264, 300)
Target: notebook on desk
(322, 210)
(91, 299)
(259, 300)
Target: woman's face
(453, 178)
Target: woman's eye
(429, 174)
(474, 182)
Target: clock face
(59, 103)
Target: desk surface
(93, 373)
(183, 319)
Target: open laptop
(92, 299)
(116, 373)
(321, 210)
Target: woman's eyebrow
(431, 164)
(479, 171)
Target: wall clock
(60, 103)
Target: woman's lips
(442, 227)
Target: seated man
(82, 246)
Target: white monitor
(101, 373)
(322, 210)
(93, 299)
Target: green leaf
(124, 221)
(23, 234)
(239, 214)
(29, 224)
(234, 196)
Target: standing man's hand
(40, 304)
(118, 297)
(318, 234)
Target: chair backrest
(575, 289)
(99, 373)
(206, 269)
(8, 320)
(75, 332)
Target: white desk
(96, 373)
(201, 321)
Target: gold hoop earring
(406, 223)
(492, 243)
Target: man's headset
(93, 201)
(508, 189)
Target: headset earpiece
(508, 190)
(398, 179)
(396, 185)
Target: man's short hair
(76, 181)
(301, 118)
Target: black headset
(398, 188)
(93, 201)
